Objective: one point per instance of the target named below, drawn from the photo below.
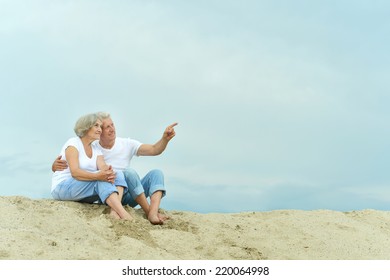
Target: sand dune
(47, 229)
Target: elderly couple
(94, 166)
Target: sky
(280, 104)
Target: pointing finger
(173, 125)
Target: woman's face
(95, 131)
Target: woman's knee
(119, 175)
(120, 179)
(105, 189)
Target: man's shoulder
(122, 139)
(127, 141)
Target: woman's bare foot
(114, 215)
(116, 206)
(126, 216)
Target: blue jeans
(152, 182)
(88, 191)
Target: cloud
(280, 98)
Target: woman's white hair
(85, 123)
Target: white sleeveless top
(85, 163)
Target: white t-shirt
(85, 163)
(120, 155)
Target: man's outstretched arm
(159, 147)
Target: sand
(46, 229)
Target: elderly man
(118, 152)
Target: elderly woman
(88, 178)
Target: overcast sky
(280, 104)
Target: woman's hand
(107, 174)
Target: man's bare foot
(154, 219)
(163, 217)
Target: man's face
(108, 130)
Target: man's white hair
(103, 115)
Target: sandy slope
(48, 229)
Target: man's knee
(157, 173)
(130, 174)
(131, 177)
